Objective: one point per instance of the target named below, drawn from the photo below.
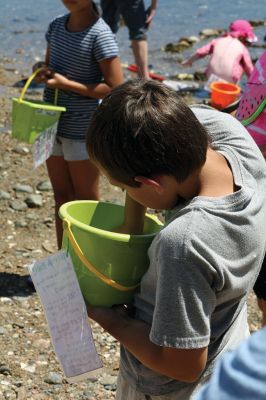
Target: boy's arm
(133, 217)
(113, 76)
(181, 364)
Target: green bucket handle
(94, 271)
(27, 84)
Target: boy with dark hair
(204, 168)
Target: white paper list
(57, 286)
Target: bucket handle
(90, 267)
(27, 84)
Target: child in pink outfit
(229, 55)
(252, 113)
(252, 108)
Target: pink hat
(242, 28)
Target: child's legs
(85, 179)
(72, 175)
(61, 181)
(110, 14)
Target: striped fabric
(76, 55)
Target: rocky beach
(28, 366)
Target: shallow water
(23, 24)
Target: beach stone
(10, 395)
(53, 378)
(21, 223)
(34, 200)
(44, 186)
(5, 370)
(23, 188)
(210, 32)
(4, 195)
(18, 205)
(21, 149)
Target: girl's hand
(41, 77)
(56, 81)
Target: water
(24, 22)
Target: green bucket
(32, 117)
(108, 265)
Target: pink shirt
(229, 58)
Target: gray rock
(34, 200)
(21, 223)
(18, 205)
(4, 195)
(53, 378)
(21, 149)
(23, 188)
(2, 330)
(210, 32)
(5, 370)
(44, 186)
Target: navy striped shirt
(76, 55)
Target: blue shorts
(133, 13)
(70, 150)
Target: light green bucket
(108, 265)
(32, 117)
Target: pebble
(44, 186)
(18, 205)
(23, 188)
(4, 195)
(21, 149)
(34, 200)
(54, 378)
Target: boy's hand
(106, 316)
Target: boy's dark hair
(142, 128)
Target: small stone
(21, 223)
(21, 149)
(5, 370)
(4, 195)
(23, 188)
(18, 205)
(54, 378)
(34, 200)
(44, 186)
(28, 368)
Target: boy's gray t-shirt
(204, 262)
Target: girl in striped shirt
(82, 62)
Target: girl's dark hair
(142, 128)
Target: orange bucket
(223, 94)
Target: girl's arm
(112, 73)
(201, 52)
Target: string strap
(80, 254)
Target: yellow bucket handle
(27, 84)
(90, 267)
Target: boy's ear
(155, 182)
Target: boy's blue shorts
(133, 13)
